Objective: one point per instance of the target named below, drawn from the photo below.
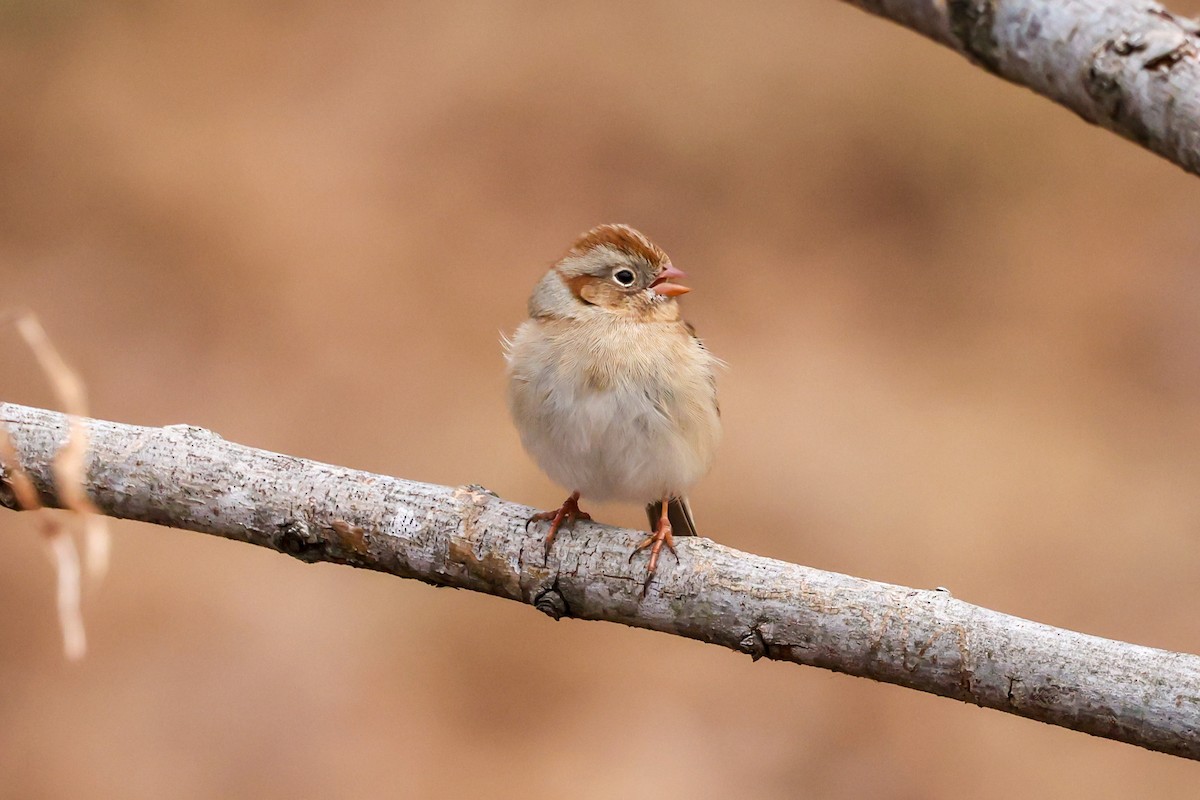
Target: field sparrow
(610, 389)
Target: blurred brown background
(963, 330)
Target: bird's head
(610, 269)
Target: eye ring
(624, 277)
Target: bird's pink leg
(568, 512)
(655, 541)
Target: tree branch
(1131, 67)
(189, 478)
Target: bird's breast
(614, 412)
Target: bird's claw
(655, 541)
(568, 513)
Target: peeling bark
(1128, 65)
(467, 537)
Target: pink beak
(662, 283)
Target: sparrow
(612, 392)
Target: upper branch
(468, 538)
(1131, 67)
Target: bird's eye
(624, 277)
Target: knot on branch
(551, 603)
(1118, 60)
(193, 431)
(971, 22)
(8, 497)
(298, 540)
(341, 543)
(753, 644)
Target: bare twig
(68, 471)
(68, 465)
(468, 538)
(1128, 65)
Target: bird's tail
(679, 514)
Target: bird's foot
(655, 541)
(568, 513)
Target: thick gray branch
(1128, 65)
(468, 538)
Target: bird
(611, 391)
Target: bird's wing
(712, 378)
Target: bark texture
(1128, 65)
(466, 537)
